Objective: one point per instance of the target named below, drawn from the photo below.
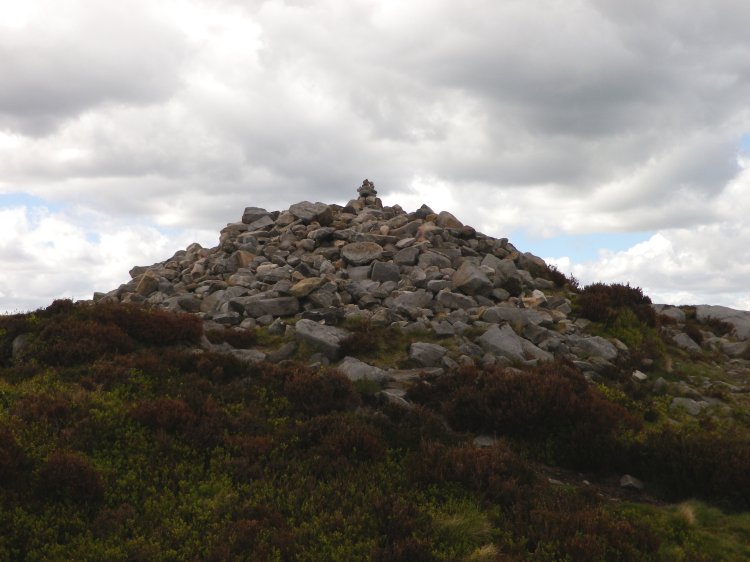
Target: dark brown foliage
(70, 341)
(560, 279)
(70, 475)
(169, 414)
(240, 339)
(719, 327)
(694, 332)
(11, 456)
(496, 472)
(260, 530)
(154, 327)
(572, 526)
(552, 405)
(687, 463)
(312, 393)
(338, 441)
(603, 303)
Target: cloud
(547, 117)
(46, 255)
(71, 57)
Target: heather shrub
(407, 428)
(338, 441)
(154, 327)
(68, 341)
(552, 407)
(570, 525)
(694, 332)
(70, 475)
(560, 279)
(11, 326)
(168, 414)
(11, 456)
(719, 327)
(239, 339)
(312, 393)
(603, 303)
(496, 473)
(687, 463)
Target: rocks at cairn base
(361, 253)
(356, 370)
(470, 279)
(326, 339)
(427, 354)
(415, 271)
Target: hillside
(363, 383)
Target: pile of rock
(307, 268)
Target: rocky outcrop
(316, 264)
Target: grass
(693, 527)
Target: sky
(610, 138)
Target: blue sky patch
(26, 200)
(578, 247)
(745, 144)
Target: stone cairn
(305, 269)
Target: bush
(312, 393)
(154, 327)
(496, 472)
(552, 407)
(239, 339)
(690, 463)
(603, 303)
(70, 475)
(68, 341)
(168, 414)
(11, 456)
(338, 441)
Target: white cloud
(46, 255)
(548, 117)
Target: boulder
(278, 306)
(252, 214)
(306, 286)
(470, 279)
(447, 220)
(426, 354)
(308, 212)
(692, 407)
(683, 341)
(454, 301)
(385, 271)
(740, 319)
(356, 370)
(361, 253)
(502, 342)
(326, 339)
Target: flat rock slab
(309, 212)
(426, 354)
(361, 253)
(470, 279)
(326, 339)
(252, 214)
(502, 342)
(740, 319)
(685, 342)
(356, 370)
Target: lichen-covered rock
(326, 339)
(426, 354)
(361, 253)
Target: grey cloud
(104, 53)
